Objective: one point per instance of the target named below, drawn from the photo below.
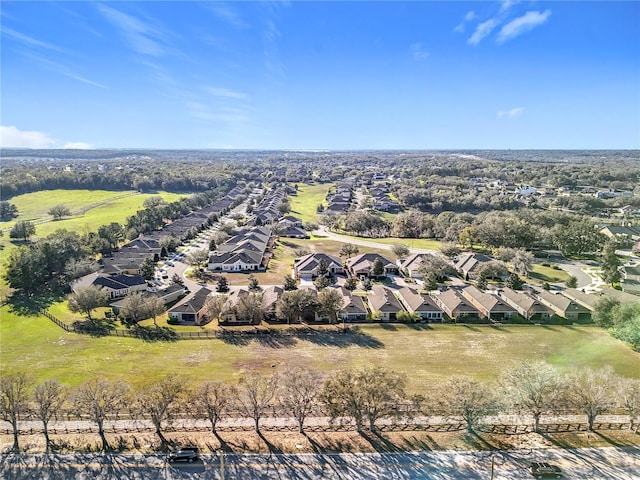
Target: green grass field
(547, 274)
(428, 356)
(303, 205)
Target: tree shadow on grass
(276, 340)
(343, 340)
(419, 326)
(379, 443)
(611, 441)
(388, 326)
(154, 334)
(29, 305)
(272, 448)
(416, 444)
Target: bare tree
(87, 299)
(467, 398)
(400, 250)
(134, 308)
(250, 308)
(300, 391)
(154, 306)
(629, 397)
(256, 393)
(533, 387)
(198, 257)
(590, 391)
(160, 401)
(98, 398)
(214, 304)
(48, 396)
(212, 399)
(14, 401)
(369, 393)
(329, 304)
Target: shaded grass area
(309, 196)
(36, 345)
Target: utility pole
(492, 465)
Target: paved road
(603, 463)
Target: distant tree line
(363, 395)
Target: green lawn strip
(428, 356)
(409, 242)
(305, 202)
(548, 274)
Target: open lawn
(548, 274)
(303, 205)
(428, 355)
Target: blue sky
(320, 75)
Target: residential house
(587, 300)
(294, 232)
(630, 281)
(245, 251)
(410, 265)
(353, 307)
(490, 306)
(116, 285)
(468, 264)
(384, 301)
(306, 268)
(167, 295)
(290, 221)
(233, 313)
(527, 306)
(562, 306)
(270, 297)
(362, 265)
(423, 305)
(455, 306)
(191, 309)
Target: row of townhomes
(453, 304)
(120, 271)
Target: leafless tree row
(363, 396)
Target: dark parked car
(185, 454)
(543, 469)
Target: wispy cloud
(507, 4)
(482, 30)
(229, 14)
(141, 37)
(12, 137)
(470, 16)
(419, 51)
(62, 70)
(225, 92)
(513, 113)
(522, 24)
(32, 42)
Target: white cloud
(62, 70)
(138, 34)
(32, 42)
(471, 15)
(482, 30)
(507, 4)
(225, 92)
(11, 137)
(513, 113)
(228, 14)
(419, 51)
(78, 145)
(522, 24)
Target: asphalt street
(602, 463)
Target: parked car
(184, 454)
(544, 469)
